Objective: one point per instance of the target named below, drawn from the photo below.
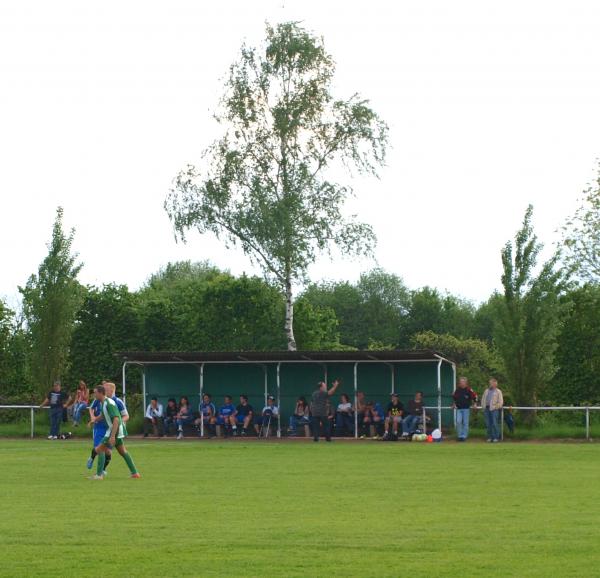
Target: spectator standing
(244, 415)
(81, 402)
(395, 412)
(492, 402)
(464, 398)
(414, 415)
(184, 416)
(319, 410)
(301, 416)
(344, 416)
(154, 418)
(170, 418)
(58, 401)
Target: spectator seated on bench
(207, 416)
(269, 418)
(414, 416)
(170, 416)
(226, 416)
(154, 418)
(184, 416)
(244, 416)
(344, 417)
(373, 416)
(300, 417)
(393, 420)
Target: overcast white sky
(491, 106)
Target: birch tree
(267, 185)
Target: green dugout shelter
(290, 374)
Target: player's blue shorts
(221, 419)
(99, 433)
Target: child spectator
(395, 411)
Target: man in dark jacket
(464, 398)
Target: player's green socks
(129, 462)
(100, 464)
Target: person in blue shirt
(208, 415)
(226, 417)
(374, 416)
(100, 427)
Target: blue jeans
(492, 422)
(295, 421)
(77, 409)
(410, 423)
(344, 423)
(183, 421)
(462, 423)
(55, 420)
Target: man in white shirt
(153, 418)
(268, 419)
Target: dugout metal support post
(587, 423)
(355, 400)
(201, 372)
(279, 399)
(32, 423)
(439, 393)
(143, 390)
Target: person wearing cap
(153, 418)
(395, 411)
(319, 410)
(270, 415)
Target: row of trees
(541, 334)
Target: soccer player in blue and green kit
(115, 434)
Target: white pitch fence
(32, 409)
(584, 411)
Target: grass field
(301, 509)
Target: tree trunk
(289, 317)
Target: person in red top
(81, 402)
(464, 398)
